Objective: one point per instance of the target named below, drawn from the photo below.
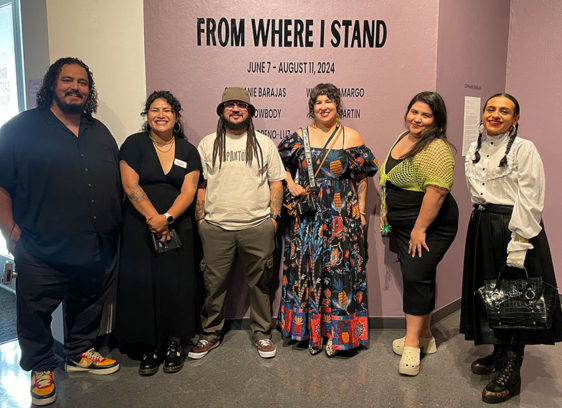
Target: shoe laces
(202, 343)
(264, 342)
(43, 379)
(173, 348)
(93, 355)
(508, 367)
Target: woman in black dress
(156, 299)
(416, 180)
(505, 178)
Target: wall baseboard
(393, 323)
(374, 322)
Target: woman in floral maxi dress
(324, 279)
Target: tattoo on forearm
(199, 209)
(362, 192)
(276, 200)
(137, 194)
(362, 187)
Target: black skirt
(485, 254)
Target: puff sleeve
(362, 161)
(529, 203)
(290, 148)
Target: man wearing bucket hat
(238, 206)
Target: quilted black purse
(518, 303)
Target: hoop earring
(178, 129)
(481, 128)
(337, 120)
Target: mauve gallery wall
(467, 36)
(380, 53)
(534, 77)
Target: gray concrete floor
(233, 375)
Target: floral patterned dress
(324, 280)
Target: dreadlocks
(253, 148)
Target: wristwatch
(275, 217)
(169, 218)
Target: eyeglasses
(232, 104)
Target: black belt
(493, 208)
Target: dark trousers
(41, 288)
(254, 247)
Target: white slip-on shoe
(410, 361)
(427, 345)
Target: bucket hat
(235, 94)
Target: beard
(236, 126)
(70, 108)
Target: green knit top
(432, 166)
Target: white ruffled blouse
(519, 183)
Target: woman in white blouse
(505, 177)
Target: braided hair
(478, 142)
(512, 130)
(512, 136)
(253, 148)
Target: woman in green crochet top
(421, 217)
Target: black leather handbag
(300, 205)
(306, 203)
(518, 303)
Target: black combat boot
(508, 381)
(489, 364)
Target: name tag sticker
(180, 163)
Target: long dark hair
(439, 128)
(512, 131)
(176, 108)
(45, 94)
(331, 91)
(253, 147)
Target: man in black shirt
(60, 212)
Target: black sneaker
(149, 363)
(175, 357)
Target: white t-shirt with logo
(238, 194)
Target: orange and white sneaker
(91, 361)
(43, 390)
